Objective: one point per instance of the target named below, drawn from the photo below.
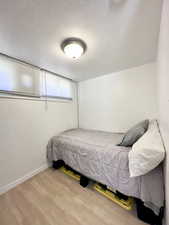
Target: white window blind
(17, 78)
(56, 87)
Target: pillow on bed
(133, 134)
(147, 153)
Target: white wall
(25, 128)
(116, 101)
(163, 91)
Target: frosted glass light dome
(73, 48)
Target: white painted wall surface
(163, 92)
(25, 128)
(116, 101)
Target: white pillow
(147, 152)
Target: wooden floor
(52, 198)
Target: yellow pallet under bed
(70, 173)
(126, 204)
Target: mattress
(96, 155)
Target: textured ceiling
(119, 33)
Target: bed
(95, 154)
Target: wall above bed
(116, 101)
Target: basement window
(21, 79)
(18, 79)
(56, 87)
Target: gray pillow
(133, 134)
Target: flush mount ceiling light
(73, 47)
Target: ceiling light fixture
(73, 47)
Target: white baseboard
(27, 176)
